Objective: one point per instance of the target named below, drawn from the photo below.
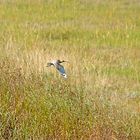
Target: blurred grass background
(101, 97)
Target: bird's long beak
(65, 61)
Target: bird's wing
(49, 64)
(61, 69)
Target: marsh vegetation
(101, 97)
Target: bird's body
(58, 66)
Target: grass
(101, 97)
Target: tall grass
(101, 97)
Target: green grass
(101, 97)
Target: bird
(58, 66)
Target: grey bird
(58, 66)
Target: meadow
(100, 99)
